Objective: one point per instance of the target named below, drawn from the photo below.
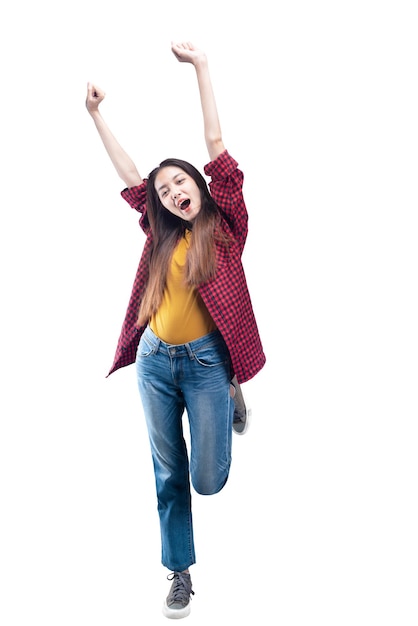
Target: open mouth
(184, 205)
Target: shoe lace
(181, 588)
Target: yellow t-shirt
(182, 316)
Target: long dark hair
(167, 229)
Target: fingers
(186, 52)
(94, 96)
(182, 45)
(94, 92)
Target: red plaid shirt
(226, 296)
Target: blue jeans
(194, 377)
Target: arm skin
(125, 167)
(122, 162)
(187, 53)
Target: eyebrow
(174, 178)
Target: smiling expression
(178, 192)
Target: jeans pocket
(145, 347)
(212, 355)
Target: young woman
(189, 326)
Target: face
(178, 192)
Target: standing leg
(163, 406)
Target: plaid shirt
(226, 296)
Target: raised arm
(187, 53)
(124, 165)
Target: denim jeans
(192, 377)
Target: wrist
(201, 61)
(95, 113)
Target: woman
(190, 325)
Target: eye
(179, 181)
(164, 193)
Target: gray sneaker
(177, 603)
(242, 414)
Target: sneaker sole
(246, 424)
(175, 613)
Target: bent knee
(206, 487)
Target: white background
(318, 103)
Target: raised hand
(186, 52)
(95, 95)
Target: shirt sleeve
(226, 189)
(223, 165)
(136, 196)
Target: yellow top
(182, 315)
